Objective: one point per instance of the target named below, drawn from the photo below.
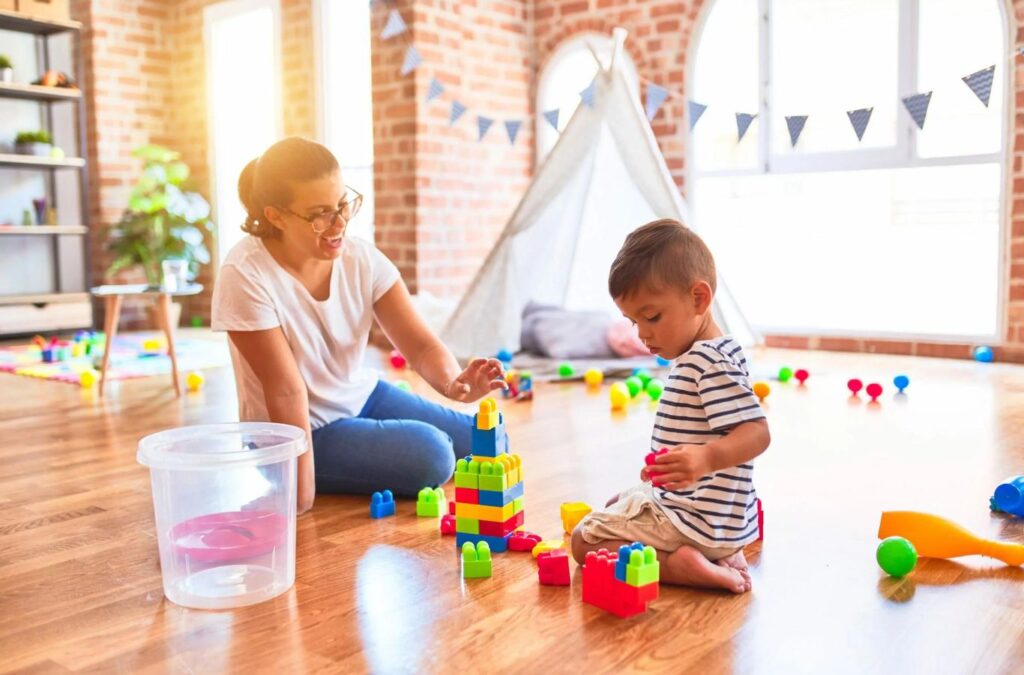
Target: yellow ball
(87, 378)
(151, 345)
(619, 396)
(195, 381)
(761, 390)
(593, 377)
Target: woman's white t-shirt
(328, 339)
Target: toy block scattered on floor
(572, 514)
(476, 560)
(451, 507)
(553, 568)
(382, 504)
(603, 589)
(521, 540)
(547, 545)
(428, 502)
(447, 524)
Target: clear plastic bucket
(224, 504)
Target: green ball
(654, 388)
(403, 385)
(565, 369)
(896, 556)
(785, 373)
(635, 386)
(643, 374)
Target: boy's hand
(680, 467)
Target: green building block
(430, 501)
(467, 525)
(467, 474)
(517, 505)
(642, 568)
(476, 561)
(492, 476)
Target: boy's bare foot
(688, 567)
(737, 561)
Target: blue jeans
(399, 441)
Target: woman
(297, 299)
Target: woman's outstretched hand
(481, 377)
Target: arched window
(568, 72)
(898, 233)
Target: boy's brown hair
(659, 254)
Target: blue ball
(663, 362)
(901, 382)
(505, 356)
(984, 354)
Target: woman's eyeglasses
(346, 211)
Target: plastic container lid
(218, 446)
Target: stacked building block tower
(488, 485)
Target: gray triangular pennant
(435, 90)
(552, 117)
(412, 60)
(588, 94)
(695, 110)
(512, 128)
(981, 83)
(743, 121)
(394, 26)
(859, 119)
(457, 111)
(656, 95)
(795, 124)
(917, 106)
(482, 125)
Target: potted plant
(6, 69)
(33, 143)
(163, 221)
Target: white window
(243, 93)
(346, 98)
(568, 72)
(898, 233)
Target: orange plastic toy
(936, 537)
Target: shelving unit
(67, 305)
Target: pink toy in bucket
(229, 537)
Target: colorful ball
(984, 354)
(619, 395)
(761, 390)
(634, 385)
(801, 375)
(397, 360)
(593, 377)
(195, 380)
(87, 378)
(901, 382)
(504, 355)
(643, 374)
(403, 385)
(896, 556)
(785, 373)
(855, 386)
(662, 362)
(874, 390)
(566, 369)
(655, 388)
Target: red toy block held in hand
(651, 460)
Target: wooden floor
(80, 584)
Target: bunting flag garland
(917, 106)
(435, 90)
(859, 119)
(552, 117)
(695, 110)
(656, 95)
(457, 111)
(795, 124)
(395, 25)
(512, 128)
(482, 125)
(743, 121)
(412, 60)
(981, 83)
(587, 95)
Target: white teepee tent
(604, 178)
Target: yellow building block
(495, 514)
(487, 417)
(548, 545)
(572, 514)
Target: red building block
(467, 496)
(651, 460)
(451, 508)
(447, 524)
(553, 567)
(523, 541)
(602, 589)
(760, 522)
(492, 529)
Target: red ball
(874, 390)
(854, 386)
(801, 375)
(397, 360)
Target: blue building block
(490, 442)
(382, 504)
(623, 562)
(1008, 497)
(493, 498)
(497, 544)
